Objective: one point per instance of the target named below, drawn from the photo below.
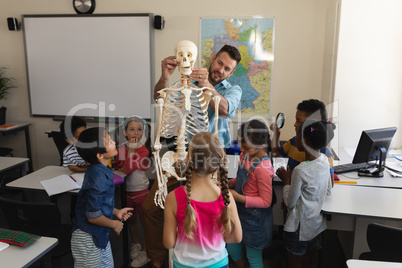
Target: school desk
(387, 180)
(32, 182)
(9, 163)
(17, 257)
(352, 208)
(20, 127)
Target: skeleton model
(182, 113)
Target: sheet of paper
(280, 162)
(59, 184)
(3, 245)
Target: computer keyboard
(350, 167)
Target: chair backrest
(37, 218)
(385, 242)
(60, 142)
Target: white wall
(297, 72)
(369, 69)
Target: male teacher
(223, 64)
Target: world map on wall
(254, 39)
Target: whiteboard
(89, 65)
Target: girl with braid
(201, 216)
(253, 194)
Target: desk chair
(385, 243)
(60, 143)
(42, 219)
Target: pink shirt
(207, 246)
(258, 188)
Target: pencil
(346, 182)
(73, 178)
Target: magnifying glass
(280, 120)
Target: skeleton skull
(186, 54)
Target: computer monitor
(373, 145)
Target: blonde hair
(206, 156)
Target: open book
(63, 183)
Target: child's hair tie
(311, 129)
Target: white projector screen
(89, 65)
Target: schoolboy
(90, 243)
(71, 129)
(313, 109)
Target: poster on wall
(254, 37)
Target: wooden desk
(8, 163)
(17, 257)
(372, 264)
(21, 127)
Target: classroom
(345, 53)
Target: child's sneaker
(135, 250)
(141, 260)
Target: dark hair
(317, 133)
(255, 133)
(75, 122)
(233, 52)
(312, 106)
(91, 142)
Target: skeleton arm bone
(158, 167)
(216, 99)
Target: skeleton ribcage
(174, 110)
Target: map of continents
(254, 39)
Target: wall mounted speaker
(12, 24)
(159, 22)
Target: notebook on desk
(63, 183)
